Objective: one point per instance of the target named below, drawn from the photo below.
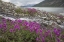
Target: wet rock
(44, 24)
(59, 21)
(61, 26)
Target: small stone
(59, 21)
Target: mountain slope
(6, 7)
(51, 3)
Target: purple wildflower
(0, 25)
(25, 23)
(12, 30)
(37, 39)
(58, 40)
(16, 26)
(3, 20)
(18, 20)
(57, 31)
(43, 39)
(4, 26)
(47, 33)
(12, 22)
(33, 26)
(32, 11)
(62, 36)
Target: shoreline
(56, 10)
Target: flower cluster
(26, 29)
(28, 11)
(32, 11)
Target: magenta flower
(16, 26)
(43, 39)
(57, 32)
(18, 20)
(12, 30)
(32, 11)
(0, 25)
(58, 40)
(37, 39)
(39, 31)
(12, 22)
(4, 26)
(33, 26)
(47, 33)
(4, 20)
(25, 23)
(62, 36)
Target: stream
(38, 20)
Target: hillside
(6, 8)
(51, 3)
(45, 19)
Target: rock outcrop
(7, 8)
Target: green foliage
(30, 12)
(18, 10)
(18, 36)
(28, 32)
